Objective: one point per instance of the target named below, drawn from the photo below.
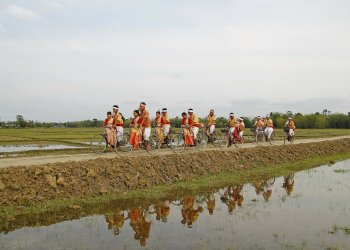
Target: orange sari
(135, 133)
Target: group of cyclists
(141, 126)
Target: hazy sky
(73, 59)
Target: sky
(73, 59)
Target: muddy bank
(28, 185)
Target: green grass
(341, 171)
(199, 186)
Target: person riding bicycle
(158, 121)
(135, 131)
(165, 123)
(241, 127)
(187, 131)
(231, 122)
(119, 122)
(146, 123)
(258, 125)
(268, 127)
(289, 128)
(193, 121)
(211, 123)
(109, 128)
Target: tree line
(317, 120)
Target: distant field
(79, 136)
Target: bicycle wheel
(272, 138)
(153, 145)
(215, 138)
(260, 138)
(122, 146)
(177, 143)
(201, 141)
(224, 140)
(98, 144)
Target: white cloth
(291, 132)
(166, 129)
(195, 131)
(211, 129)
(231, 131)
(268, 131)
(146, 134)
(241, 134)
(120, 132)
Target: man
(193, 121)
(269, 127)
(146, 122)
(211, 123)
(165, 122)
(232, 122)
(118, 122)
(241, 127)
(259, 124)
(290, 128)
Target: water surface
(307, 210)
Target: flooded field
(307, 210)
(21, 148)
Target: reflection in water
(261, 220)
(288, 183)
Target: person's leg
(195, 131)
(166, 129)
(120, 131)
(146, 135)
(211, 129)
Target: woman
(135, 131)
(110, 129)
(158, 121)
(187, 131)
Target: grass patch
(341, 171)
(172, 191)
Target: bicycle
(213, 138)
(178, 141)
(227, 139)
(153, 144)
(287, 137)
(261, 137)
(122, 147)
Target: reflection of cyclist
(190, 211)
(288, 183)
(211, 203)
(140, 222)
(163, 210)
(211, 123)
(115, 222)
(268, 189)
(289, 128)
(268, 127)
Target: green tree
(20, 122)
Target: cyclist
(211, 123)
(118, 122)
(258, 125)
(241, 127)
(187, 131)
(268, 127)
(109, 128)
(289, 128)
(135, 131)
(193, 121)
(165, 123)
(158, 121)
(232, 122)
(145, 123)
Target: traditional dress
(158, 124)
(211, 123)
(146, 123)
(259, 124)
(193, 121)
(187, 132)
(166, 124)
(135, 132)
(108, 124)
(119, 124)
(241, 129)
(290, 124)
(269, 127)
(232, 125)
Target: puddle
(20, 148)
(307, 210)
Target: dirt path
(40, 160)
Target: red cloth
(106, 122)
